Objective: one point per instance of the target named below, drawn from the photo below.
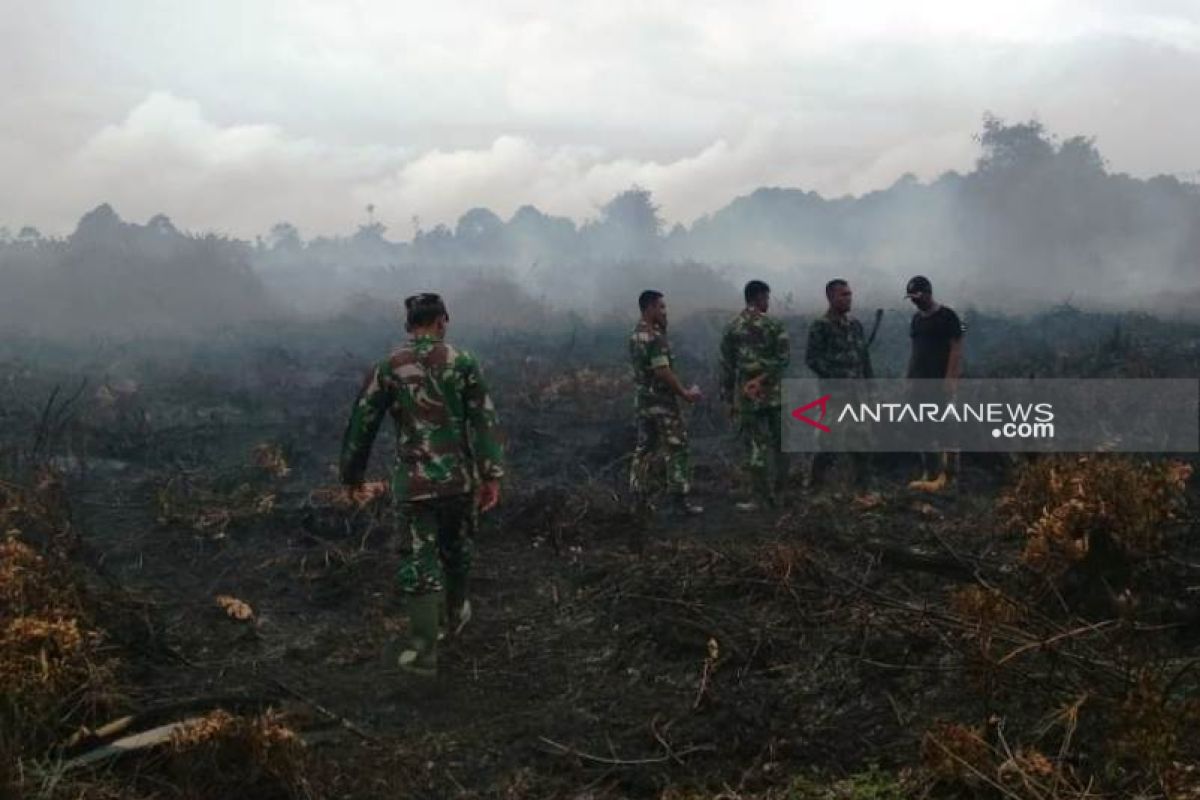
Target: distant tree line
(111, 275)
(1038, 219)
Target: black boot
(821, 464)
(687, 507)
(863, 477)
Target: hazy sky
(230, 115)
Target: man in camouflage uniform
(448, 467)
(660, 459)
(837, 349)
(755, 353)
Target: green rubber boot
(420, 656)
(763, 488)
(458, 607)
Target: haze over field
(320, 152)
(221, 574)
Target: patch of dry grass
(1067, 505)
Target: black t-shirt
(931, 338)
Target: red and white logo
(821, 403)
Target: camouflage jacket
(649, 350)
(446, 424)
(837, 347)
(753, 344)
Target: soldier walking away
(660, 459)
(936, 363)
(837, 349)
(449, 462)
(755, 353)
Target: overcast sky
(230, 115)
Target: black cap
(918, 283)
(422, 299)
(425, 307)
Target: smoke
(1037, 221)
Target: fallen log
(128, 744)
(922, 560)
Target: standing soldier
(662, 445)
(934, 366)
(837, 349)
(448, 466)
(754, 356)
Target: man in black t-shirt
(937, 340)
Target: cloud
(312, 110)
(167, 156)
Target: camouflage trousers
(761, 433)
(660, 458)
(441, 531)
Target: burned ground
(851, 644)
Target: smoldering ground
(176, 559)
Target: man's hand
(753, 388)
(360, 494)
(672, 381)
(489, 496)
